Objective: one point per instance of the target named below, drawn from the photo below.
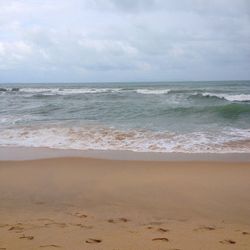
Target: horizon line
(93, 82)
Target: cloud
(122, 40)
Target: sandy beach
(81, 203)
(124, 125)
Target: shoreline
(36, 153)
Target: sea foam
(63, 91)
(153, 91)
(104, 138)
(228, 97)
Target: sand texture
(77, 203)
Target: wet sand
(80, 203)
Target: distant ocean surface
(146, 117)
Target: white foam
(74, 91)
(232, 98)
(67, 91)
(153, 91)
(103, 138)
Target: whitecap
(153, 91)
(68, 91)
(231, 98)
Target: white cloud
(124, 40)
(14, 53)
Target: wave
(73, 91)
(231, 98)
(8, 120)
(153, 91)
(58, 91)
(144, 91)
(232, 111)
(184, 93)
(76, 91)
(8, 89)
(105, 138)
(229, 111)
(61, 91)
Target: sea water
(146, 117)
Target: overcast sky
(124, 40)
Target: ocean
(191, 117)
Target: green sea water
(162, 117)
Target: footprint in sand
(160, 229)
(3, 248)
(245, 233)
(17, 228)
(205, 228)
(59, 224)
(228, 242)
(81, 225)
(79, 215)
(30, 237)
(52, 245)
(118, 220)
(160, 239)
(91, 241)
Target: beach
(125, 166)
(87, 203)
(124, 125)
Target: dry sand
(77, 203)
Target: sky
(124, 40)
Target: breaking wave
(104, 138)
(228, 97)
(77, 91)
(59, 91)
(153, 91)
